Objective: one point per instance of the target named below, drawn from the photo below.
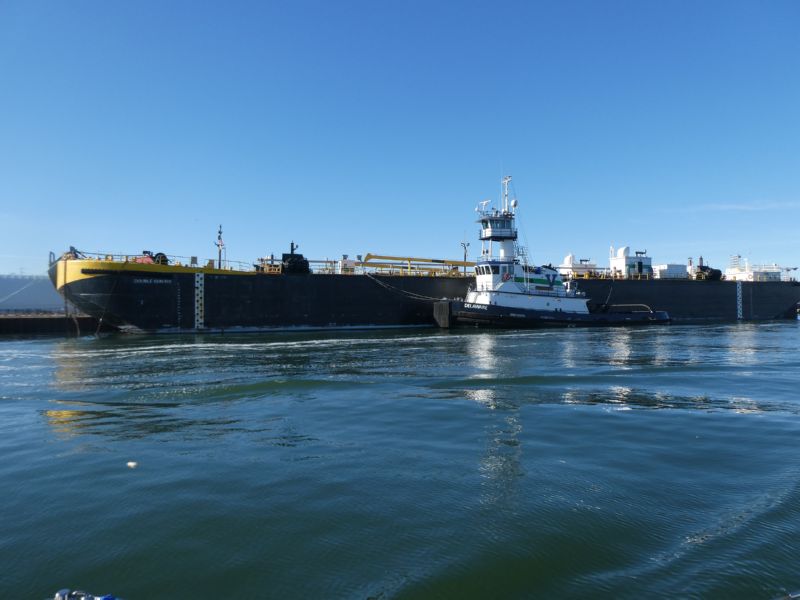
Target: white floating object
(132, 464)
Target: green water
(604, 463)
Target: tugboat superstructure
(502, 273)
(508, 292)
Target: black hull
(686, 300)
(151, 301)
(167, 302)
(483, 315)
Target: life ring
(506, 276)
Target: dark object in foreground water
(67, 594)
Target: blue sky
(355, 127)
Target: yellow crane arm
(416, 260)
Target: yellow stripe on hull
(72, 270)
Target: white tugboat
(509, 292)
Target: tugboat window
(495, 269)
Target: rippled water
(601, 463)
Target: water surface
(607, 463)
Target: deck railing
(274, 266)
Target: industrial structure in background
(28, 293)
(30, 305)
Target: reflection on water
(572, 397)
(460, 458)
(484, 363)
(570, 352)
(501, 465)
(742, 344)
(662, 351)
(620, 394)
(620, 347)
(65, 421)
(485, 360)
(138, 422)
(484, 396)
(132, 388)
(139, 386)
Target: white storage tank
(670, 271)
(631, 267)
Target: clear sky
(377, 126)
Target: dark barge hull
(686, 300)
(154, 298)
(170, 302)
(454, 313)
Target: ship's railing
(496, 258)
(768, 268)
(592, 274)
(604, 273)
(401, 270)
(274, 266)
(608, 274)
(166, 259)
(533, 289)
(410, 265)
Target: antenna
(506, 180)
(220, 246)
